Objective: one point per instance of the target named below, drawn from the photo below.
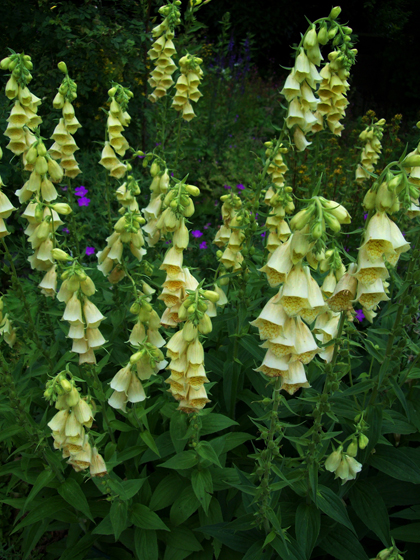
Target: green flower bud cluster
(23, 117)
(82, 315)
(177, 204)
(372, 136)
(162, 50)
(158, 187)
(70, 423)
(118, 119)
(6, 208)
(231, 234)
(320, 214)
(187, 86)
(6, 327)
(64, 145)
(127, 231)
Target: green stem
(26, 305)
(100, 391)
(108, 201)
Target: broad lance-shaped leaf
(308, 522)
(371, 509)
(119, 517)
(145, 518)
(395, 462)
(332, 505)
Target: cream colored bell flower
(48, 284)
(172, 263)
(92, 314)
(399, 244)
(279, 265)
(135, 391)
(97, 464)
(122, 379)
(294, 294)
(295, 378)
(271, 320)
(118, 400)
(73, 311)
(285, 343)
(378, 237)
(344, 292)
(305, 346)
(369, 270)
(369, 296)
(83, 413)
(274, 366)
(329, 284)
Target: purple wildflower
(240, 187)
(80, 191)
(90, 250)
(196, 233)
(227, 187)
(365, 215)
(83, 201)
(360, 315)
(64, 188)
(65, 230)
(264, 233)
(207, 225)
(203, 245)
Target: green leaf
(47, 509)
(407, 533)
(145, 543)
(104, 527)
(202, 485)
(395, 463)
(342, 544)
(184, 506)
(184, 539)
(144, 518)
(291, 551)
(10, 432)
(183, 460)
(166, 492)
(119, 517)
(371, 509)
(131, 487)
(31, 536)
(329, 503)
(73, 494)
(215, 423)
(78, 551)
(206, 451)
(147, 437)
(400, 395)
(43, 479)
(240, 541)
(121, 426)
(308, 522)
(178, 428)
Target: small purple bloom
(207, 225)
(83, 201)
(240, 187)
(64, 188)
(365, 215)
(196, 233)
(203, 245)
(360, 315)
(227, 187)
(90, 250)
(80, 191)
(264, 233)
(65, 230)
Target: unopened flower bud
(62, 66)
(335, 12)
(60, 255)
(211, 296)
(61, 208)
(352, 449)
(363, 441)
